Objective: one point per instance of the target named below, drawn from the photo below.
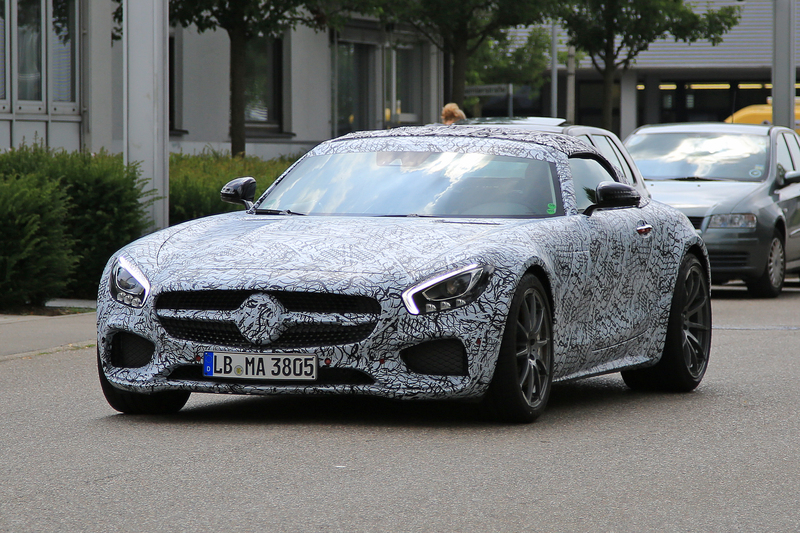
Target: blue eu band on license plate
(277, 366)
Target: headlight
(447, 291)
(732, 221)
(128, 285)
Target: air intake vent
(446, 357)
(130, 351)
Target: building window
(408, 81)
(29, 50)
(3, 48)
(63, 52)
(39, 58)
(263, 84)
(353, 90)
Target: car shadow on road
(576, 401)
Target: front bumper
(443, 355)
(737, 253)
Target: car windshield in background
(709, 156)
(437, 184)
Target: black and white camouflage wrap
(611, 288)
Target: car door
(619, 250)
(789, 201)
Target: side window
(607, 147)
(794, 148)
(783, 157)
(586, 175)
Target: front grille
(204, 331)
(321, 302)
(309, 302)
(445, 357)
(202, 300)
(697, 222)
(326, 375)
(307, 335)
(130, 351)
(728, 260)
(317, 332)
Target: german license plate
(277, 366)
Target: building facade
(680, 82)
(303, 88)
(63, 80)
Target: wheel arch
(541, 273)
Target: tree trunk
(459, 72)
(238, 45)
(608, 97)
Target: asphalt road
(602, 458)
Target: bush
(195, 180)
(102, 208)
(36, 260)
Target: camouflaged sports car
(414, 263)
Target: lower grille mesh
(445, 357)
(130, 351)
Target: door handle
(644, 229)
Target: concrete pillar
(784, 61)
(96, 79)
(146, 130)
(627, 103)
(652, 100)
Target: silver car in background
(739, 185)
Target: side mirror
(611, 194)
(791, 177)
(239, 191)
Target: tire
(770, 283)
(523, 377)
(136, 403)
(687, 347)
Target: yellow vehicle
(761, 114)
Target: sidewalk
(22, 334)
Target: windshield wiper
(699, 178)
(277, 212)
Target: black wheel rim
(696, 318)
(533, 347)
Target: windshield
(417, 184)
(713, 156)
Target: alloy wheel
(533, 347)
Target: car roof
(705, 127)
(546, 124)
(557, 141)
(515, 121)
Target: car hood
(400, 247)
(699, 198)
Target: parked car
(413, 263)
(606, 142)
(739, 185)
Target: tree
(245, 20)
(460, 27)
(614, 32)
(500, 60)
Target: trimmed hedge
(87, 206)
(63, 214)
(195, 180)
(36, 259)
